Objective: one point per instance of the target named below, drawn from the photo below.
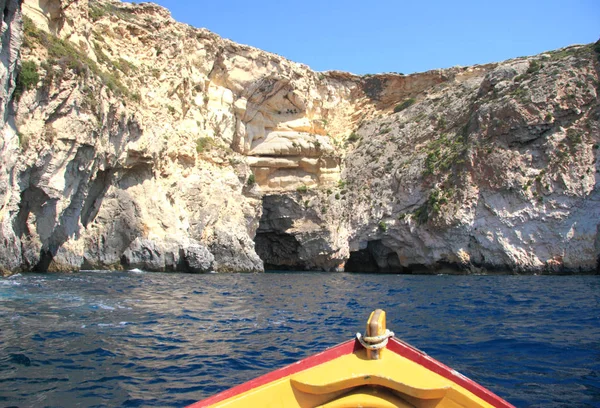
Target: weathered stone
(501, 74)
(11, 37)
(234, 253)
(150, 255)
(197, 258)
(169, 157)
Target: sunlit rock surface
(134, 141)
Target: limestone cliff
(131, 140)
(10, 43)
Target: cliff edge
(130, 140)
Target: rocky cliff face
(131, 140)
(498, 168)
(11, 38)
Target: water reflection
(167, 339)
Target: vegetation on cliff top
(98, 10)
(66, 56)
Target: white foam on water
(105, 307)
(10, 283)
(136, 270)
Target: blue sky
(395, 36)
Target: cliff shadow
(375, 258)
(96, 193)
(274, 244)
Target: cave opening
(274, 244)
(278, 251)
(375, 258)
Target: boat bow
(361, 373)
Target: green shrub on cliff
(30, 32)
(27, 78)
(443, 153)
(202, 143)
(353, 137)
(433, 205)
(401, 106)
(534, 67)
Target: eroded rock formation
(134, 141)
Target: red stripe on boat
(398, 347)
(413, 354)
(330, 354)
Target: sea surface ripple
(128, 339)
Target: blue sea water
(151, 339)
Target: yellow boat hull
(348, 375)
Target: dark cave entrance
(278, 249)
(375, 258)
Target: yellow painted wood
(375, 397)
